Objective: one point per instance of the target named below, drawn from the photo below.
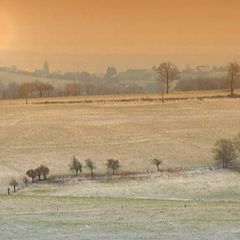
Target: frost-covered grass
(212, 185)
(29, 217)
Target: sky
(92, 34)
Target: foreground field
(25, 217)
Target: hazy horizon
(91, 35)
(98, 63)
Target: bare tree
(91, 166)
(45, 171)
(167, 74)
(24, 90)
(75, 165)
(42, 87)
(225, 152)
(113, 165)
(233, 74)
(11, 90)
(157, 163)
(13, 183)
(32, 174)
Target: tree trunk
(226, 163)
(232, 93)
(14, 188)
(76, 172)
(44, 175)
(26, 100)
(158, 168)
(167, 82)
(113, 171)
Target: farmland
(200, 202)
(111, 218)
(181, 133)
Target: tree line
(226, 152)
(38, 89)
(168, 73)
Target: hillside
(181, 133)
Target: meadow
(116, 218)
(200, 203)
(180, 133)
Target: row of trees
(40, 172)
(25, 90)
(77, 166)
(168, 73)
(226, 150)
(35, 89)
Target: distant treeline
(111, 82)
(204, 84)
(36, 89)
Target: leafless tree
(24, 90)
(225, 152)
(72, 89)
(233, 74)
(75, 165)
(42, 87)
(113, 165)
(157, 163)
(91, 166)
(13, 183)
(11, 90)
(167, 74)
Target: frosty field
(115, 218)
(200, 203)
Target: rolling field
(199, 203)
(181, 133)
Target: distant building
(44, 72)
(45, 69)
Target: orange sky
(201, 29)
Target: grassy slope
(181, 133)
